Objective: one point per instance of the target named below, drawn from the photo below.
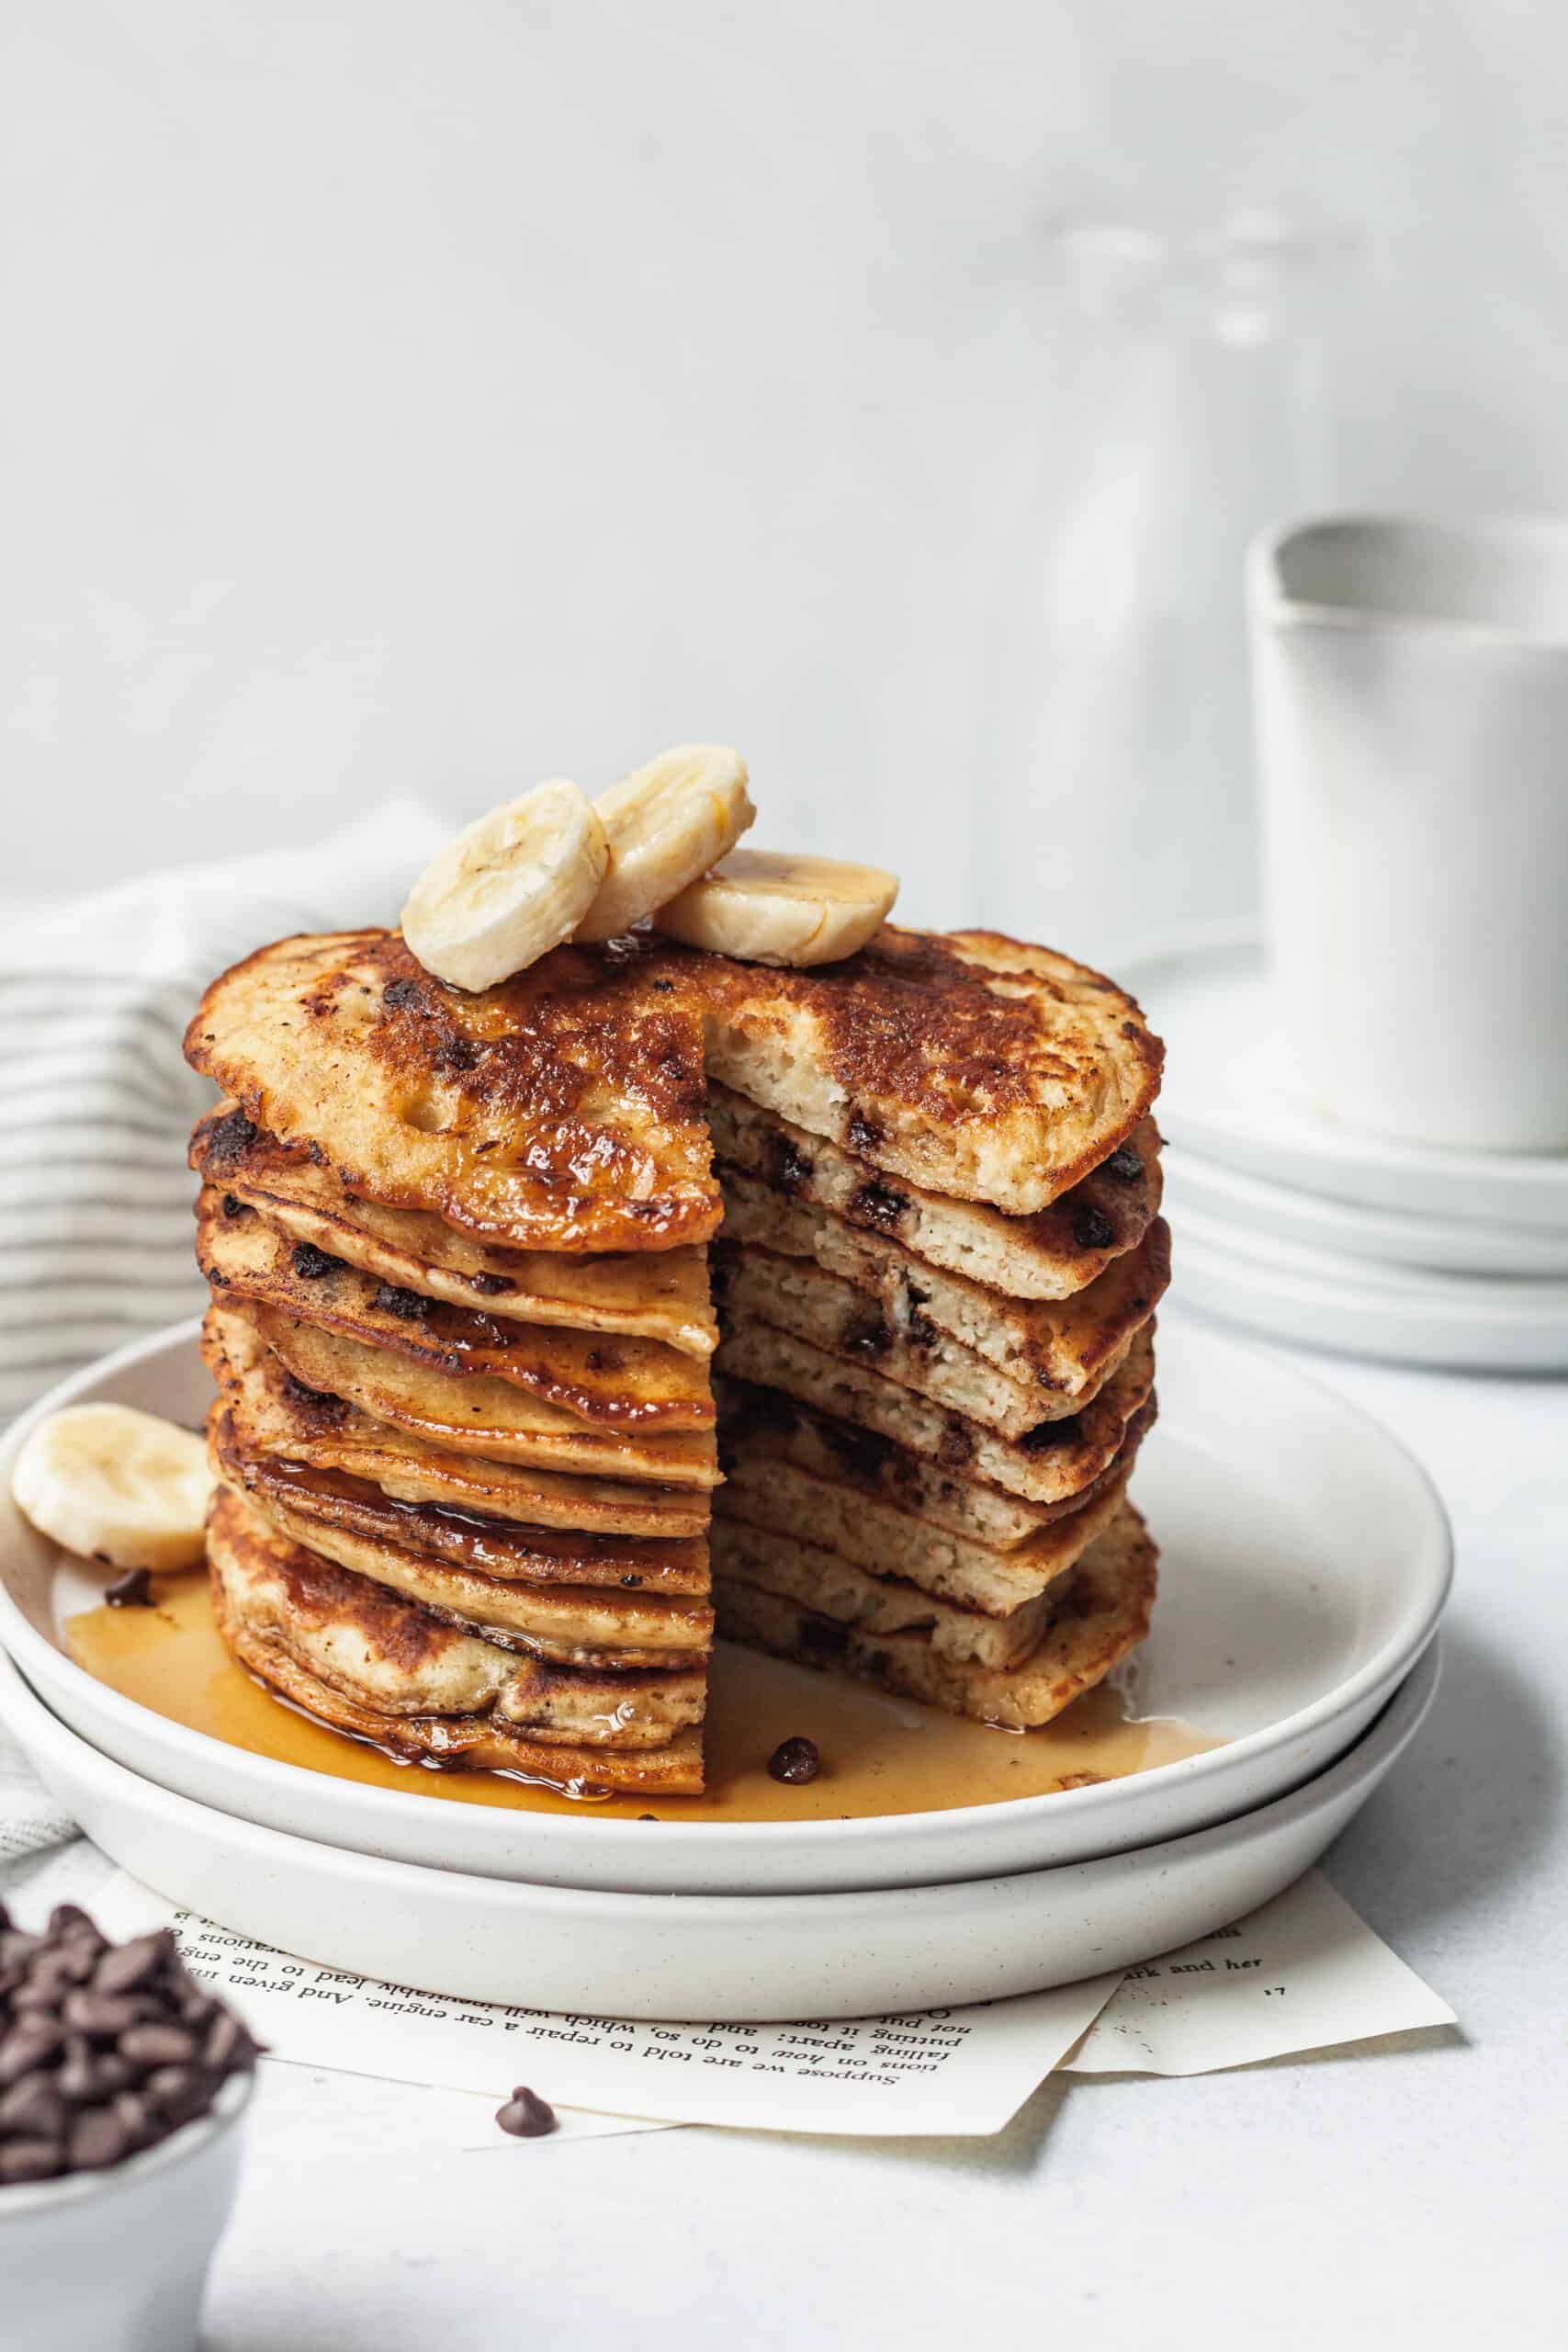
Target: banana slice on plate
(666, 823)
(509, 889)
(766, 907)
(115, 1484)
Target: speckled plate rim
(907, 1848)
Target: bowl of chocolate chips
(123, 2084)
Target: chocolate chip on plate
(132, 1590)
(525, 2114)
(796, 1761)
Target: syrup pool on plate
(879, 1754)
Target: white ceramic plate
(1256, 1211)
(1463, 1321)
(1305, 1559)
(1227, 1095)
(725, 1957)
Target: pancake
(1058, 1344)
(764, 1425)
(465, 1414)
(794, 1296)
(652, 1294)
(430, 1688)
(1103, 1613)
(971, 1064)
(1058, 1250)
(779, 1498)
(560, 1111)
(567, 1625)
(606, 1383)
(790, 1569)
(278, 1416)
(495, 1549)
(1054, 1461)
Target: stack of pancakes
(930, 1411)
(461, 1331)
(461, 1327)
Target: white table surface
(1407, 2195)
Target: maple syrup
(880, 1755)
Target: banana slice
(115, 1484)
(765, 906)
(666, 823)
(509, 889)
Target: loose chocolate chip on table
(311, 1263)
(132, 1590)
(795, 1762)
(1091, 1229)
(525, 2114)
(23, 2160)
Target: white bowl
(729, 1957)
(1305, 1561)
(117, 2261)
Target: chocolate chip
(125, 1966)
(132, 1590)
(33, 2108)
(392, 1300)
(867, 1336)
(311, 1263)
(231, 1134)
(879, 1207)
(1123, 1164)
(1091, 1229)
(171, 2086)
(32, 2042)
(954, 1447)
(492, 1286)
(233, 1207)
(795, 1760)
(525, 2114)
(631, 1582)
(158, 2045)
(647, 1816)
(315, 1401)
(23, 2160)
(403, 995)
(70, 1919)
(104, 2016)
(862, 1133)
(98, 2138)
(228, 2045)
(785, 1166)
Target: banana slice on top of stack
(658, 847)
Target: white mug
(1411, 694)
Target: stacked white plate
(1305, 1563)
(1306, 1231)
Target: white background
(445, 395)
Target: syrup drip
(879, 1754)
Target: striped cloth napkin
(95, 1101)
